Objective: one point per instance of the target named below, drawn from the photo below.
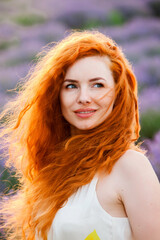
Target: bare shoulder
(133, 163)
(133, 157)
(134, 172)
(139, 190)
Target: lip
(85, 113)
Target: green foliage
(20, 60)
(8, 180)
(3, 120)
(155, 7)
(6, 44)
(115, 17)
(150, 123)
(92, 23)
(153, 51)
(29, 19)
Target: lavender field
(27, 26)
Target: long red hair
(52, 164)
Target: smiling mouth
(85, 114)
(86, 111)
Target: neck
(76, 131)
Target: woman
(72, 142)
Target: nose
(84, 96)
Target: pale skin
(132, 189)
(88, 85)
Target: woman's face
(87, 93)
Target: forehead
(89, 67)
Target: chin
(85, 128)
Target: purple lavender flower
(147, 71)
(153, 147)
(137, 28)
(149, 99)
(11, 76)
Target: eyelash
(71, 84)
(100, 85)
(68, 86)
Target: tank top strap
(92, 185)
(95, 180)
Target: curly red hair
(52, 164)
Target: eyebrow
(90, 80)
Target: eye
(71, 85)
(98, 85)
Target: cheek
(105, 99)
(105, 95)
(65, 101)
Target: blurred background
(27, 26)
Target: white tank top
(83, 218)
